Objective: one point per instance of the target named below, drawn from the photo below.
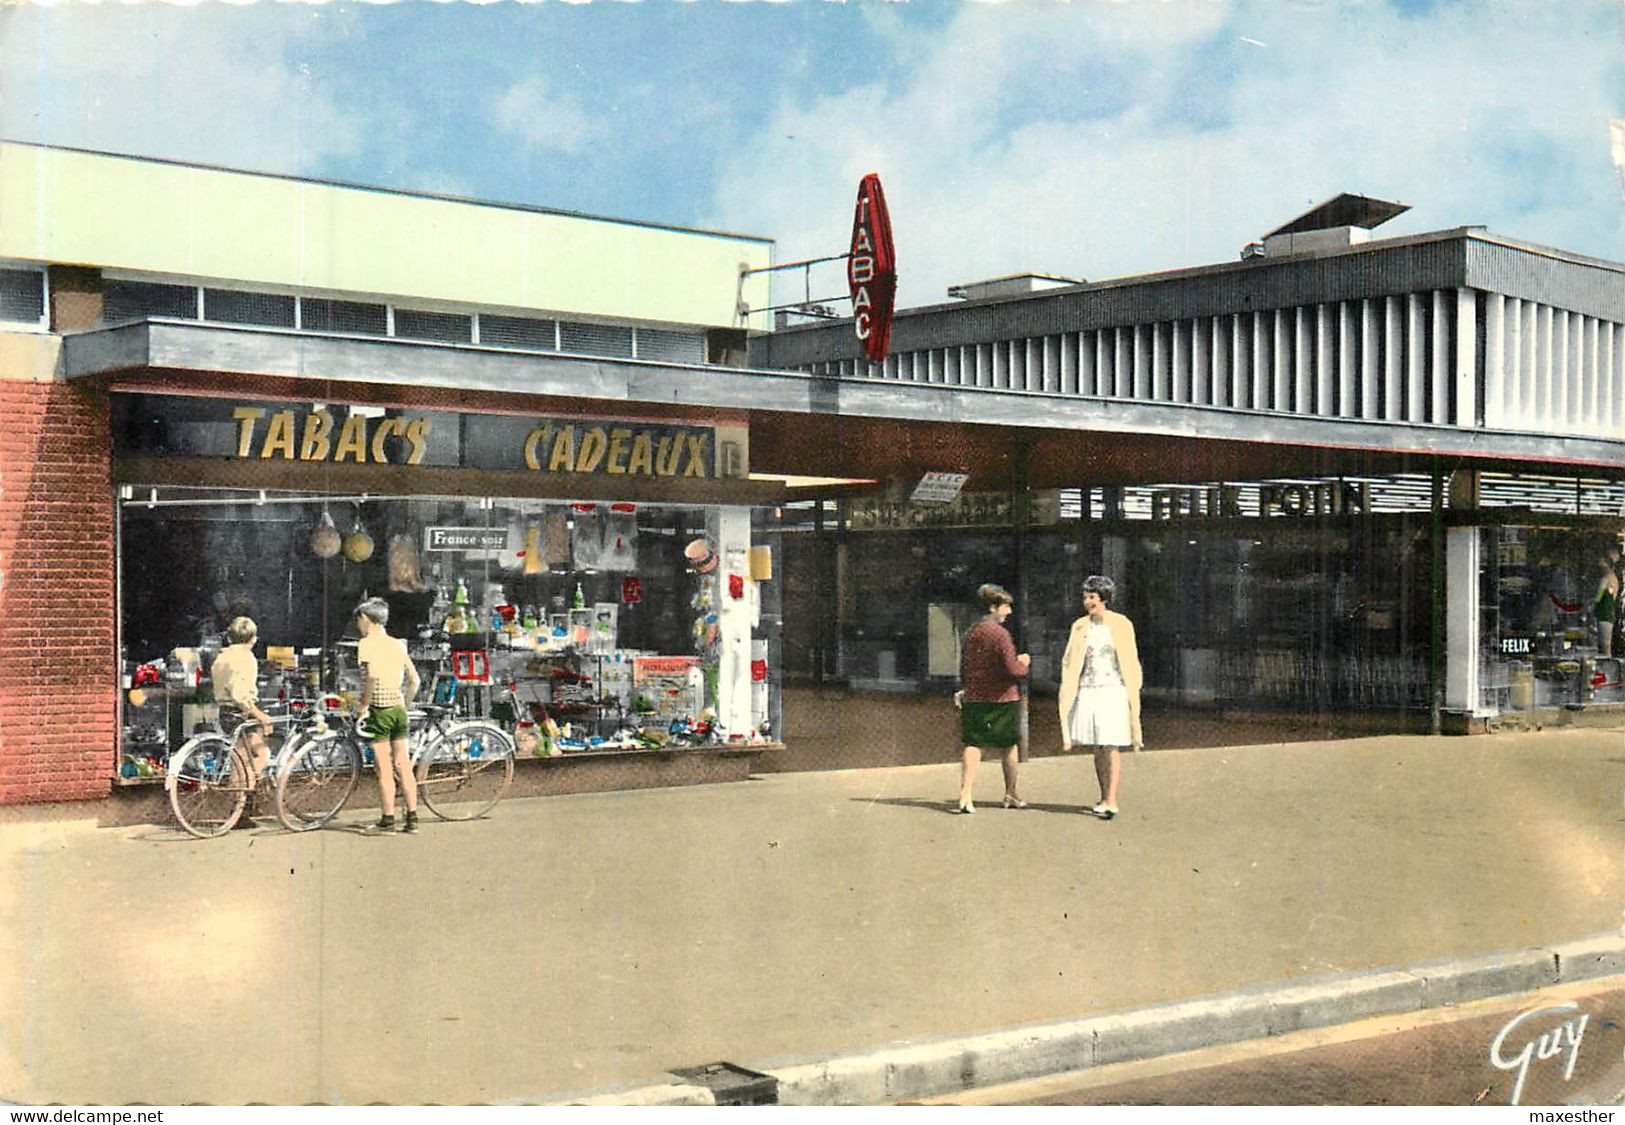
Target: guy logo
(1562, 1039)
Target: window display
(583, 627)
(1548, 599)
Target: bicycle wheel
(315, 781)
(209, 786)
(464, 772)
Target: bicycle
(208, 780)
(463, 768)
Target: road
(1441, 1057)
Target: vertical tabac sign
(871, 270)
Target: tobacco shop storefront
(590, 581)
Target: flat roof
(442, 197)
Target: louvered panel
(1260, 362)
(1417, 357)
(1088, 363)
(1610, 391)
(666, 346)
(1071, 343)
(1202, 361)
(984, 365)
(1591, 375)
(1500, 351)
(1348, 335)
(1123, 362)
(1222, 381)
(1240, 358)
(1393, 358)
(1563, 366)
(1528, 354)
(1465, 406)
(1326, 360)
(1302, 374)
(1440, 357)
(1371, 359)
(1545, 393)
(1179, 375)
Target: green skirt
(990, 725)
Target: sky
(1089, 140)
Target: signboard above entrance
(938, 488)
(871, 270)
(269, 434)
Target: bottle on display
(496, 621)
(529, 618)
(579, 601)
(461, 596)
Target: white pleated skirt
(1100, 716)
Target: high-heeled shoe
(966, 808)
(1014, 803)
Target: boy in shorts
(235, 675)
(385, 664)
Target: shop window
(352, 317)
(596, 339)
(419, 324)
(22, 296)
(519, 332)
(235, 306)
(671, 347)
(605, 616)
(137, 300)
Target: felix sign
(871, 270)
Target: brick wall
(58, 686)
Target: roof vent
(1012, 285)
(1340, 222)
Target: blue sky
(1093, 139)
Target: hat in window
(702, 558)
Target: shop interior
(587, 627)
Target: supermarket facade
(1335, 474)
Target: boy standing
(385, 665)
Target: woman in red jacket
(990, 707)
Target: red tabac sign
(871, 270)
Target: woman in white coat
(1100, 688)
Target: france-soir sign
(871, 270)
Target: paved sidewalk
(579, 942)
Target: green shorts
(990, 725)
(385, 724)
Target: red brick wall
(58, 664)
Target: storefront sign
(313, 435)
(1517, 646)
(1322, 498)
(938, 488)
(338, 434)
(465, 538)
(970, 509)
(871, 270)
(621, 450)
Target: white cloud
(1105, 140)
(211, 86)
(540, 117)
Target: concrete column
(730, 528)
(1463, 549)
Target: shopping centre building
(1338, 473)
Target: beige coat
(1128, 658)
